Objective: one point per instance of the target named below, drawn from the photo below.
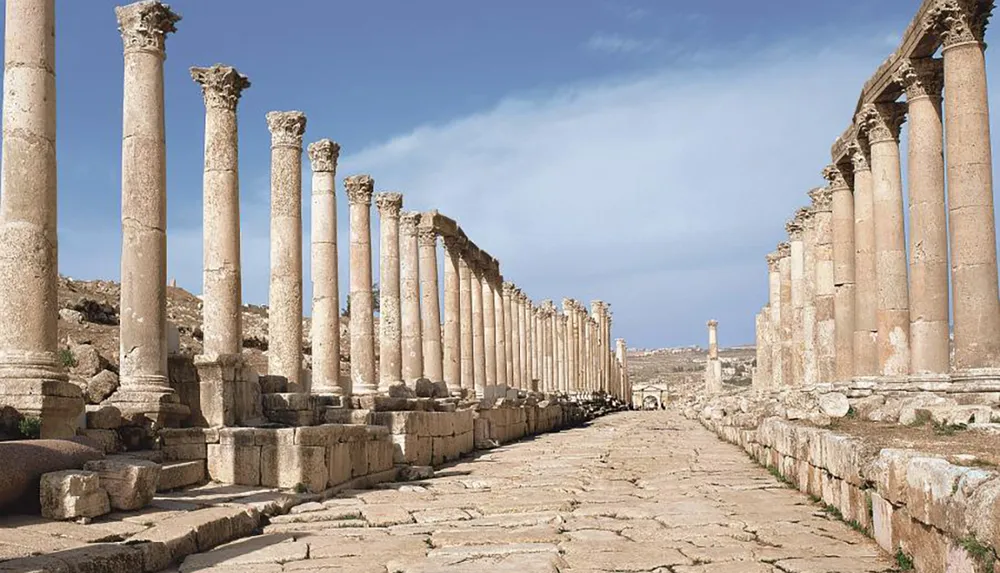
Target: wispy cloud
(617, 44)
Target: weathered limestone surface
(453, 315)
(71, 494)
(390, 325)
(865, 287)
(430, 301)
(323, 156)
(409, 292)
(466, 323)
(823, 288)
(842, 224)
(359, 190)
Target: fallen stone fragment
(130, 483)
(70, 494)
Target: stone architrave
(227, 395)
(785, 338)
(842, 225)
(390, 350)
(824, 335)
(795, 228)
(32, 380)
(430, 301)
(453, 247)
(359, 190)
(501, 329)
(865, 300)
(409, 293)
(145, 387)
(476, 285)
(775, 381)
(284, 315)
(513, 303)
(465, 321)
(880, 124)
(323, 156)
(929, 328)
(971, 224)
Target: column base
(365, 389)
(229, 392)
(34, 385)
(151, 397)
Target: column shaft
(390, 343)
(409, 296)
(489, 328)
(865, 301)
(465, 321)
(325, 326)
(843, 273)
(501, 331)
(785, 338)
(362, 321)
(476, 281)
(511, 306)
(824, 287)
(452, 315)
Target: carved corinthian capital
(408, 222)
(772, 261)
(144, 26)
(427, 237)
(835, 176)
(454, 245)
(859, 151)
(221, 86)
(359, 189)
(323, 156)
(921, 77)
(959, 21)
(389, 204)
(881, 122)
(287, 128)
(794, 227)
(784, 250)
(822, 199)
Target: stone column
(809, 360)
(560, 336)
(224, 397)
(823, 286)
(430, 302)
(476, 281)
(595, 312)
(713, 372)
(362, 322)
(323, 156)
(508, 333)
(489, 322)
(511, 307)
(881, 123)
(865, 300)
(390, 343)
(32, 381)
(465, 320)
(570, 341)
(501, 330)
(971, 225)
(842, 224)
(622, 354)
(409, 295)
(785, 338)
(929, 329)
(795, 227)
(535, 345)
(762, 373)
(774, 323)
(143, 330)
(452, 320)
(284, 316)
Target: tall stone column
(971, 225)
(929, 329)
(762, 373)
(284, 354)
(560, 332)
(323, 156)
(568, 314)
(32, 381)
(511, 307)
(842, 229)
(795, 227)
(143, 330)
(622, 355)
(881, 124)
(508, 333)
(476, 282)
(430, 301)
(713, 371)
(465, 320)
(774, 324)
(390, 342)
(501, 330)
(785, 334)
(548, 338)
(865, 300)
(409, 295)
(595, 313)
(225, 399)
(359, 190)
(823, 286)
(489, 322)
(535, 345)
(452, 319)
(810, 364)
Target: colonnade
(852, 298)
(493, 337)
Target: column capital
(795, 226)
(784, 250)
(880, 122)
(144, 26)
(772, 261)
(835, 176)
(287, 128)
(454, 245)
(426, 236)
(713, 323)
(958, 21)
(860, 152)
(822, 200)
(323, 156)
(359, 189)
(921, 77)
(508, 288)
(408, 221)
(221, 85)
(389, 204)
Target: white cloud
(617, 44)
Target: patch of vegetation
(851, 413)
(30, 427)
(832, 512)
(982, 554)
(903, 561)
(300, 488)
(777, 475)
(66, 358)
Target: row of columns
(880, 298)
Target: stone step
(174, 475)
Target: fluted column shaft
(359, 190)
(865, 301)
(843, 273)
(390, 343)
(430, 302)
(452, 315)
(325, 326)
(465, 323)
(409, 295)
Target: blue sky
(642, 152)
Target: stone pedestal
(229, 392)
(359, 190)
(323, 156)
(390, 354)
(145, 387)
(409, 293)
(865, 301)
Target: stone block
(233, 464)
(237, 436)
(185, 452)
(181, 474)
(415, 473)
(412, 449)
(103, 417)
(108, 441)
(380, 456)
(287, 401)
(19, 482)
(130, 483)
(101, 386)
(322, 436)
(274, 437)
(289, 466)
(358, 456)
(424, 388)
(70, 494)
(338, 464)
(882, 513)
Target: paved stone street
(641, 491)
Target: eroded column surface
(842, 223)
(501, 330)
(971, 224)
(713, 368)
(409, 293)
(823, 289)
(810, 363)
(929, 329)
(430, 301)
(865, 299)
(568, 313)
(560, 333)
(284, 316)
(508, 333)
(476, 282)
(785, 338)
(762, 374)
(390, 344)
(359, 190)
(325, 327)
(776, 334)
(535, 344)
(465, 321)
(881, 124)
(796, 270)
(145, 387)
(513, 303)
(489, 322)
(452, 314)
(32, 380)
